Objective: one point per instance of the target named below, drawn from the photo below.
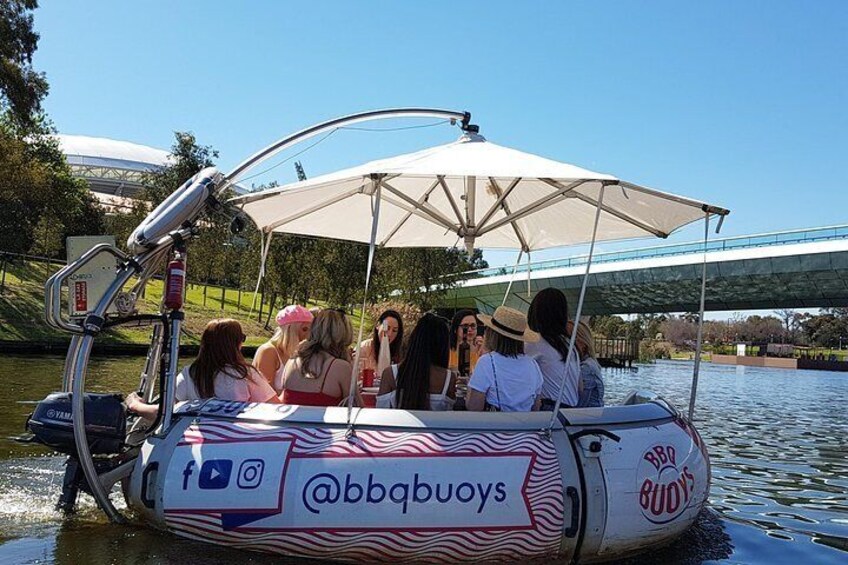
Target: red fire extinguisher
(175, 280)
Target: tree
(21, 88)
(421, 275)
(40, 200)
(652, 324)
(680, 331)
(788, 317)
(187, 159)
(608, 326)
(826, 329)
(36, 184)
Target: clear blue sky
(742, 104)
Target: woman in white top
(505, 378)
(548, 315)
(219, 371)
(422, 380)
(293, 325)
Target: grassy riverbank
(22, 310)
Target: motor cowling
(105, 423)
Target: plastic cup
(367, 377)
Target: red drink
(367, 377)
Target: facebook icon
(215, 474)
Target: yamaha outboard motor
(105, 425)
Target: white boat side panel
(421, 419)
(657, 480)
(387, 495)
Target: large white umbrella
(480, 193)
(470, 191)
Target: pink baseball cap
(293, 314)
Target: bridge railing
(724, 244)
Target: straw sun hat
(510, 323)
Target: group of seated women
(521, 363)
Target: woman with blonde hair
(592, 395)
(293, 324)
(219, 371)
(319, 373)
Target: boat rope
(263, 257)
(512, 277)
(290, 157)
(528, 274)
(401, 128)
(375, 215)
(579, 310)
(697, 368)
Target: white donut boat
(360, 484)
(424, 486)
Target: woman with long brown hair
(422, 381)
(220, 371)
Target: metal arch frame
(463, 118)
(77, 359)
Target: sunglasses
(340, 311)
(242, 338)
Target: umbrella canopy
(474, 191)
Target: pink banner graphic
(386, 495)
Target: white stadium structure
(113, 169)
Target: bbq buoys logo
(665, 490)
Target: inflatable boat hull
(424, 486)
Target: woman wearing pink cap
(294, 323)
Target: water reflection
(778, 441)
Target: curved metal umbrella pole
(463, 117)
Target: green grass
(22, 309)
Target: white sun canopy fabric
(472, 190)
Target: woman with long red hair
(220, 371)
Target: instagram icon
(250, 473)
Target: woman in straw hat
(505, 379)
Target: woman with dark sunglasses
(464, 327)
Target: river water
(778, 441)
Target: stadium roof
(113, 167)
(102, 152)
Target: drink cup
(367, 377)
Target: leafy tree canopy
(21, 88)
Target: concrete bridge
(791, 269)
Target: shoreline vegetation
(23, 329)
(22, 313)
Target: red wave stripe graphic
(543, 492)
